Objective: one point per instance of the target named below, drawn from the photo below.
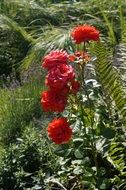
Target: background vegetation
(28, 160)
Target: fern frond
(117, 154)
(54, 39)
(122, 21)
(110, 79)
(119, 61)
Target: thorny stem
(79, 104)
(93, 143)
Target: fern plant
(116, 156)
(110, 79)
(113, 87)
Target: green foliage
(110, 79)
(30, 29)
(78, 164)
(26, 21)
(56, 38)
(32, 163)
(13, 48)
(18, 107)
(27, 163)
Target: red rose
(75, 85)
(63, 92)
(85, 33)
(52, 101)
(59, 131)
(55, 58)
(58, 77)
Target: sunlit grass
(18, 107)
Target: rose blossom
(58, 77)
(55, 58)
(59, 131)
(84, 33)
(52, 101)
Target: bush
(28, 162)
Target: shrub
(27, 162)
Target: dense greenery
(28, 160)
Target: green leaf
(78, 170)
(108, 133)
(78, 141)
(62, 152)
(76, 162)
(78, 154)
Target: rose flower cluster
(60, 82)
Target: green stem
(93, 143)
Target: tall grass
(18, 108)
